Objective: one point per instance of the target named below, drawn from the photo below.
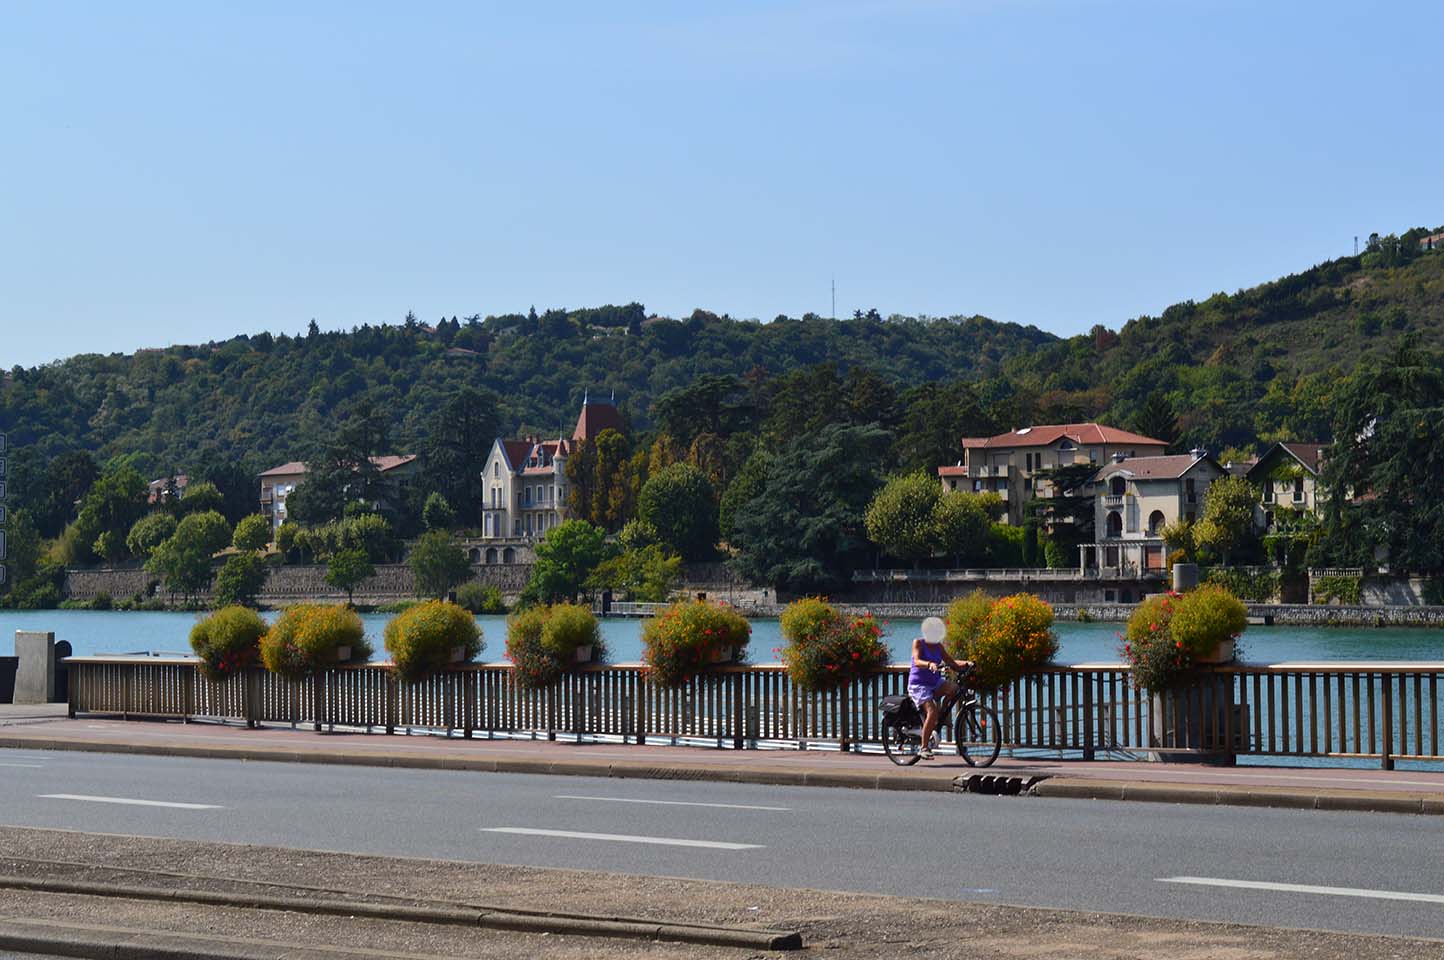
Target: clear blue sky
(185, 172)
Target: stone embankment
(291, 583)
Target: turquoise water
(92, 632)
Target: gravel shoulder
(842, 925)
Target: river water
(93, 632)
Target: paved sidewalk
(1408, 791)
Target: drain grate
(993, 784)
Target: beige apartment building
(1135, 498)
(278, 482)
(1287, 476)
(1008, 464)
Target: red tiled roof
(1151, 468)
(953, 471)
(1089, 434)
(596, 416)
(974, 443)
(383, 464)
(516, 452)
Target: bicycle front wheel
(978, 735)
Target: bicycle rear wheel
(900, 746)
(978, 734)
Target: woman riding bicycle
(926, 683)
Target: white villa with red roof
(1008, 462)
(1288, 477)
(525, 486)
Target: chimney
(1198, 453)
(1119, 457)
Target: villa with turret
(525, 481)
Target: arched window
(1117, 486)
(1115, 523)
(1155, 523)
(491, 554)
(508, 555)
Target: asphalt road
(1383, 873)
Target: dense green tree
(1228, 517)
(935, 418)
(678, 503)
(962, 523)
(456, 447)
(184, 558)
(565, 558)
(239, 580)
(22, 550)
(900, 518)
(438, 563)
(68, 479)
(149, 532)
(804, 531)
(199, 497)
(437, 513)
(1384, 473)
(738, 496)
(1156, 419)
(649, 574)
(347, 570)
(252, 533)
(113, 504)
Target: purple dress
(922, 682)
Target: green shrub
(1205, 617)
(532, 667)
(805, 619)
(228, 640)
(480, 597)
(541, 642)
(397, 606)
(308, 636)
(569, 626)
(428, 637)
(964, 617)
(239, 579)
(688, 636)
(828, 649)
(1259, 587)
(1015, 639)
(1168, 634)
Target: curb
(525, 921)
(634, 770)
(1340, 800)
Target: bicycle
(977, 734)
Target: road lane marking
(624, 838)
(672, 803)
(130, 802)
(1308, 888)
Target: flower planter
(1223, 653)
(584, 653)
(725, 655)
(343, 653)
(458, 654)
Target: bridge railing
(1385, 711)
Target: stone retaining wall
(292, 583)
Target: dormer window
(1066, 444)
(1118, 486)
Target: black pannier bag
(899, 707)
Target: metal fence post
(1088, 717)
(318, 700)
(1387, 754)
(739, 691)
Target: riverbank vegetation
(769, 445)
